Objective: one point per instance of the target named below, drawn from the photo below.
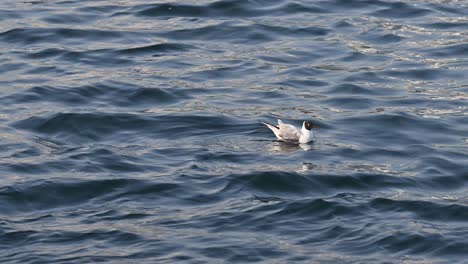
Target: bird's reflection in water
(307, 166)
(286, 147)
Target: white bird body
(290, 133)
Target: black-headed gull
(290, 133)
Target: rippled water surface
(130, 131)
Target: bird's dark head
(309, 125)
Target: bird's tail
(270, 126)
(273, 128)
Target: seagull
(289, 133)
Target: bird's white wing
(288, 132)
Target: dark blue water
(130, 131)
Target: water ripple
(132, 131)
